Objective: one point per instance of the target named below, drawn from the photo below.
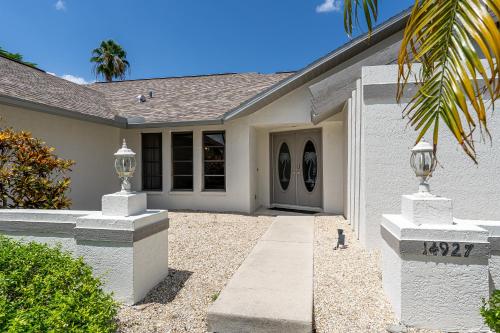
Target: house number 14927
(445, 249)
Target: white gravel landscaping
(205, 249)
(348, 295)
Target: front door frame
(272, 170)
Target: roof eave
(176, 123)
(34, 106)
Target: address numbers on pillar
(447, 249)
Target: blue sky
(175, 38)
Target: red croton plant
(31, 175)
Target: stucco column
(126, 245)
(435, 271)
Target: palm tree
(110, 61)
(446, 37)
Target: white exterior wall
(91, 145)
(237, 194)
(385, 156)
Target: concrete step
(272, 290)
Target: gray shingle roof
(176, 99)
(181, 99)
(33, 85)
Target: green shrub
(491, 311)
(44, 289)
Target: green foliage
(491, 311)
(110, 60)
(43, 289)
(15, 56)
(31, 176)
(449, 38)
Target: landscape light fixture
(423, 161)
(125, 166)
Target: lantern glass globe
(125, 165)
(423, 162)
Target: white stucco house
(328, 137)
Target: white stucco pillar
(435, 271)
(126, 245)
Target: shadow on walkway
(166, 291)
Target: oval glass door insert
(284, 166)
(309, 166)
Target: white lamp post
(423, 162)
(125, 166)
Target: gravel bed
(205, 250)
(348, 295)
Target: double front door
(296, 169)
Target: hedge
(491, 311)
(44, 289)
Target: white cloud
(72, 78)
(75, 79)
(329, 6)
(60, 5)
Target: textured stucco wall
(386, 173)
(112, 262)
(67, 243)
(493, 227)
(150, 263)
(445, 286)
(440, 290)
(391, 278)
(91, 145)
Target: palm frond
(351, 7)
(448, 38)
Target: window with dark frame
(151, 162)
(214, 161)
(182, 161)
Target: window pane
(182, 161)
(182, 139)
(214, 153)
(183, 182)
(156, 183)
(214, 139)
(214, 182)
(214, 168)
(151, 140)
(214, 160)
(151, 161)
(182, 153)
(183, 168)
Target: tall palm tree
(110, 61)
(447, 38)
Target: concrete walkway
(272, 290)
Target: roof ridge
(192, 76)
